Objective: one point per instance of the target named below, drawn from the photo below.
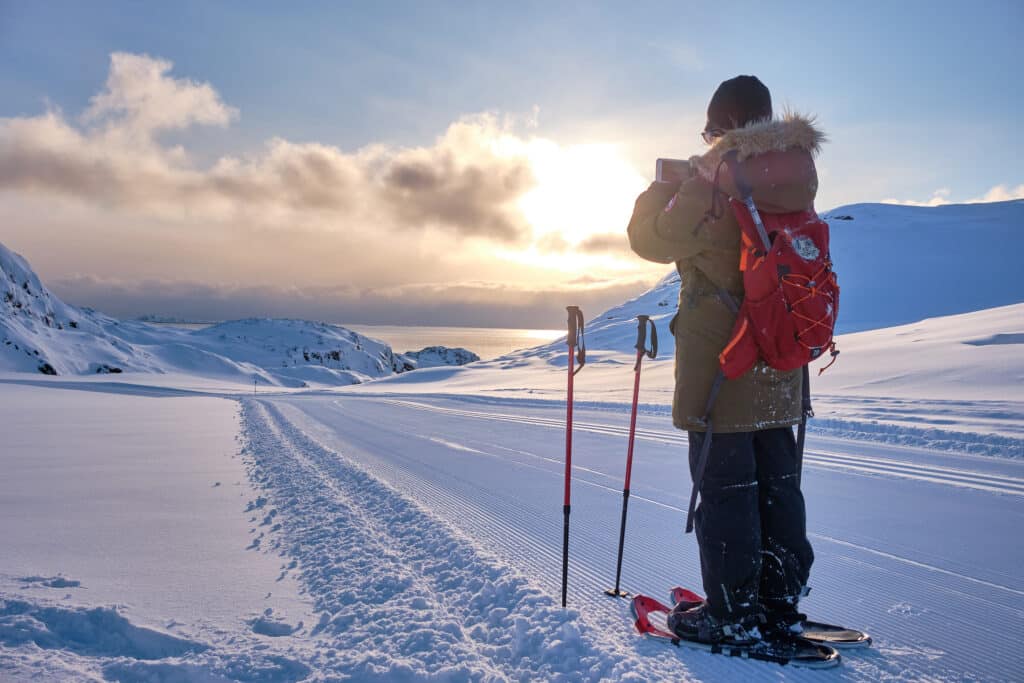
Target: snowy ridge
(40, 333)
(899, 264)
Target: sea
(486, 342)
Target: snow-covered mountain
(40, 333)
(900, 264)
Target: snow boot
(783, 623)
(781, 618)
(696, 623)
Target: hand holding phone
(672, 170)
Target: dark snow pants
(751, 522)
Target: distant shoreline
(486, 342)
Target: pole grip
(643, 323)
(575, 315)
(575, 337)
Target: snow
(38, 332)
(124, 530)
(174, 522)
(438, 356)
(899, 264)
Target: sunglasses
(712, 134)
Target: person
(750, 525)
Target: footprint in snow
(49, 582)
(905, 609)
(267, 625)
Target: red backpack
(791, 297)
(790, 303)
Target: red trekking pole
(641, 349)
(574, 339)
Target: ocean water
(486, 342)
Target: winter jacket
(692, 224)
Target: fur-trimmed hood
(761, 137)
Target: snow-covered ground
(416, 537)
(188, 526)
(130, 540)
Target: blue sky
(918, 98)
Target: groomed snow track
(442, 518)
(403, 596)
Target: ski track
(812, 458)
(485, 502)
(402, 597)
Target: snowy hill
(899, 264)
(438, 356)
(40, 333)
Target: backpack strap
(806, 411)
(705, 448)
(746, 191)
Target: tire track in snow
(401, 595)
(934, 474)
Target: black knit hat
(737, 102)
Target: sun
(582, 190)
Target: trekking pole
(573, 339)
(641, 349)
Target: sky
(448, 163)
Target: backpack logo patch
(806, 248)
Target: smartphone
(672, 170)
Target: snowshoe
(814, 631)
(651, 619)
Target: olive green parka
(692, 224)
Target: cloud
(601, 243)
(141, 98)
(466, 183)
(475, 227)
(941, 197)
(613, 243)
(473, 303)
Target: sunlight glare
(582, 190)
